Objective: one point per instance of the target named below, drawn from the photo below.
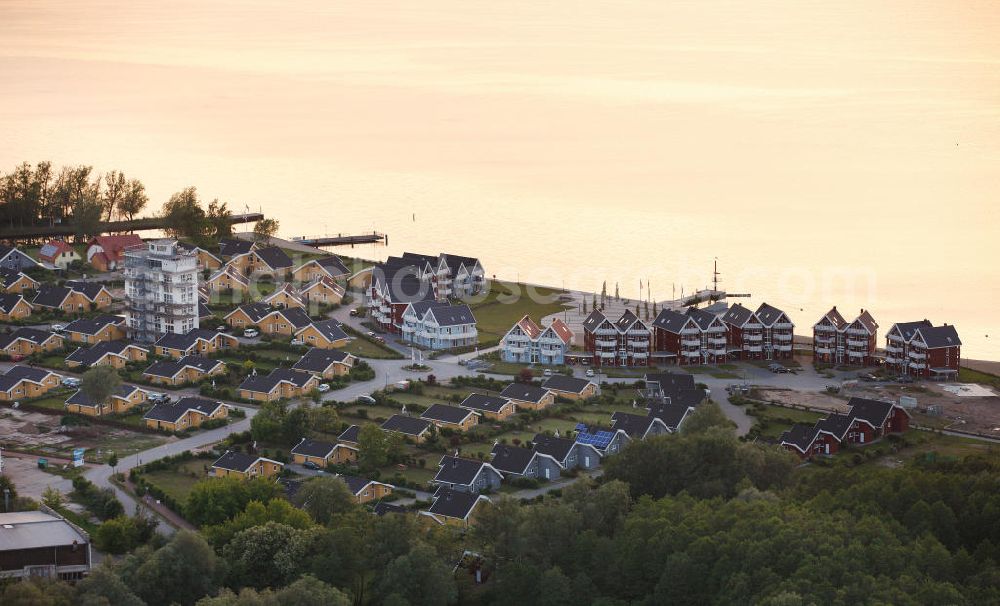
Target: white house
(527, 342)
(436, 325)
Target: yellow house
(529, 397)
(96, 295)
(21, 382)
(326, 334)
(451, 417)
(328, 267)
(323, 291)
(234, 463)
(326, 363)
(570, 387)
(188, 369)
(454, 508)
(197, 341)
(284, 297)
(247, 315)
(26, 341)
(413, 428)
(93, 330)
(323, 453)
(228, 278)
(60, 297)
(184, 413)
(366, 490)
(362, 280)
(285, 322)
(13, 308)
(280, 383)
(123, 400)
(270, 260)
(107, 353)
(16, 282)
(491, 407)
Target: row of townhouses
(922, 349)
(528, 343)
(866, 421)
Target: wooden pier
(342, 240)
(29, 232)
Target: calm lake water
(825, 152)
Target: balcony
(753, 337)
(914, 355)
(893, 360)
(606, 332)
(690, 331)
(783, 338)
(823, 340)
(753, 348)
(891, 349)
(717, 340)
(825, 351)
(638, 332)
(721, 351)
(783, 347)
(605, 354)
(690, 354)
(824, 328)
(896, 339)
(753, 326)
(691, 342)
(857, 343)
(783, 326)
(917, 365)
(605, 342)
(640, 355)
(857, 332)
(856, 354)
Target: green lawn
(713, 371)
(772, 421)
(178, 482)
(968, 375)
(507, 303)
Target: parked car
(370, 333)
(58, 328)
(251, 333)
(297, 341)
(868, 377)
(71, 382)
(380, 339)
(311, 465)
(905, 379)
(548, 372)
(590, 372)
(777, 368)
(354, 312)
(157, 397)
(322, 388)
(366, 399)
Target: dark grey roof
(635, 426)
(25, 259)
(512, 459)
(9, 276)
(670, 320)
(421, 258)
(704, 319)
(478, 401)
(595, 319)
(557, 448)
(203, 310)
(411, 426)
(92, 326)
(866, 319)
(737, 315)
(16, 374)
(446, 414)
(90, 355)
(29, 334)
(453, 503)
(170, 368)
(836, 424)
(350, 434)
(50, 295)
(235, 461)
(402, 280)
(355, 484)
(313, 448)
(768, 314)
(908, 329)
(81, 399)
(89, 289)
(940, 336)
(331, 330)
(524, 392)
(456, 470)
(673, 412)
(266, 383)
(274, 257)
(626, 320)
(296, 316)
(334, 266)
(453, 315)
(566, 383)
(318, 360)
(454, 262)
(835, 317)
(383, 507)
(420, 307)
(800, 436)
(670, 381)
(8, 301)
(874, 412)
(230, 248)
(188, 340)
(255, 311)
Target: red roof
(52, 249)
(529, 327)
(565, 332)
(114, 246)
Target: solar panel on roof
(581, 427)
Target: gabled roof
(456, 470)
(318, 360)
(835, 424)
(171, 368)
(447, 414)
(557, 448)
(197, 250)
(564, 332)
(333, 265)
(231, 272)
(636, 426)
(324, 281)
(704, 319)
(229, 247)
(91, 290)
(296, 316)
(330, 329)
(399, 281)
(800, 437)
(350, 434)
(768, 314)
(908, 329)
(357, 485)
(238, 461)
(114, 246)
(8, 301)
(626, 320)
(671, 321)
(672, 413)
(88, 356)
(529, 327)
(50, 295)
(452, 315)
(737, 315)
(204, 311)
(835, 318)
(285, 289)
(566, 384)
(92, 326)
(940, 336)
(267, 383)
(454, 504)
(188, 340)
(54, 248)
(314, 448)
(868, 321)
(454, 262)
(255, 311)
(524, 392)
(8, 277)
(411, 426)
(419, 308)
(669, 381)
(483, 402)
(873, 412)
(122, 392)
(32, 335)
(16, 374)
(511, 459)
(273, 257)
(595, 319)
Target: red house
(923, 350)
(625, 342)
(765, 334)
(837, 341)
(867, 421)
(395, 284)
(106, 253)
(695, 336)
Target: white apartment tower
(161, 290)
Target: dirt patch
(813, 399)
(29, 479)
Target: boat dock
(31, 232)
(342, 240)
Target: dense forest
(695, 518)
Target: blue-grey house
(528, 343)
(13, 258)
(437, 325)
(467, 475)
(568, 453)
(519, 462)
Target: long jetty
(68, 229)
(342, 240)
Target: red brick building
(837, 341)
(695, 336)
(867, 421)
(625, 342)
(764, 334)
(921, 349)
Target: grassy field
(178, 482)
(968, 375)
(772, 421)
(506, 304)
(714, 371)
